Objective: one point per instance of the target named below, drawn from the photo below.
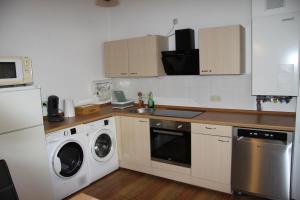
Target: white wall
(142, 17)
(196, 91)
(64, 39)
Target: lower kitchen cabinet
(210, 154)
(211, 157)
(135, 141)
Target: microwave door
(11, 71)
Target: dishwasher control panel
(262, 134)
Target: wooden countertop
(241, 118)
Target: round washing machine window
(68, 159)
(103, 146)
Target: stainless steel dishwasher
(261, 163)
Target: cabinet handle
(288, 19)
(133, 73)
(204, 70)
(123, 73)
(223, 140)
(143, 121)
(209, 128)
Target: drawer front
(211, 129)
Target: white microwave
(15, 70)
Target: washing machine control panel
(97, 125)
(69, 132)
(64, 133)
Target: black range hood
(181, 62)
(185, 60)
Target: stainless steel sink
(142, 110)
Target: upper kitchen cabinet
(222, 50)
(116, 58)
(275, 54)
(135, 57)
(271, 7)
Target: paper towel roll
(69, 108)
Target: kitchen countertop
(250, 119)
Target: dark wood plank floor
(129, 185)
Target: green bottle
(150, 100)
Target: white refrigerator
(296, 157)
(22, 142)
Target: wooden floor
(129, 185)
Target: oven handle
(167, 132)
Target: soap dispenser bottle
(150, 100)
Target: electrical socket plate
(175, 21)
(215, 98)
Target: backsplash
(232, 92)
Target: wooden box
(87, 109)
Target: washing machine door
(103, 145)
(68, 159)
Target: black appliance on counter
(185, 60)
(171, 142)
(52, 109)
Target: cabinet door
(116, 58)
(275, 66)
(211, 158)
(145, 55)
(222, 50)
(136, 140)
(128, 139)
(142, 138)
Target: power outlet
(215, 98)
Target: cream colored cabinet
(222, 50)
(116, 58)
(211, 153)
(135, 57)
(135, 141)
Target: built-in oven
(171, 142)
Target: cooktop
(176, 113)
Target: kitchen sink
(142, 110)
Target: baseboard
(181, 175)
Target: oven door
(169, 146)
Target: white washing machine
(68, 161)
(103, 154)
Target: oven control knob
(158, 124)
(179, 126)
